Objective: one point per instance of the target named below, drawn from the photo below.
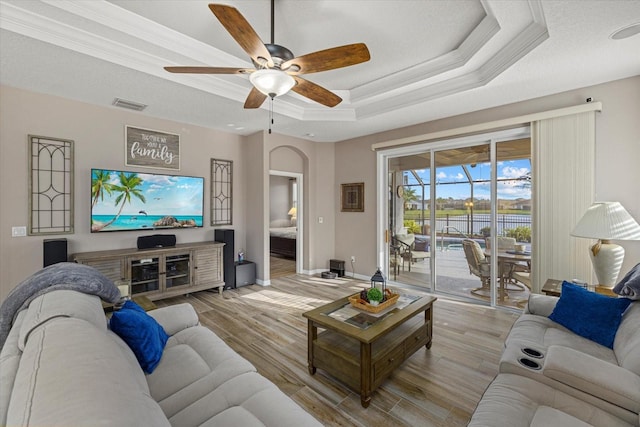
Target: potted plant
(375, 296)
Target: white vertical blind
(563, 162)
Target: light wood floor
(436, 387)
(281, 266)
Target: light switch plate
(18, 231)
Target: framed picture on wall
(352, 199)
(151, 149)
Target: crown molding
(108, 32)
(524, 42)
(454, 59)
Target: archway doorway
(285, 223)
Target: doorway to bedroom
(285, 214)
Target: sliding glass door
(463, 218)
(410, 219)
(444, 201)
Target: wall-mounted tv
(125, 201)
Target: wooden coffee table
(362, 350)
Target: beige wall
(279, 198)
(316, 162)
(256, 194)
(98, 133)
(617, 154)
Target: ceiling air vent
(131, 105)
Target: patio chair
(404, 245)
(506, 244)
(407, 243)
(478, 266)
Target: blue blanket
(64, 275)
(629, 286)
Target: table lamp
(607, 221)
(293, 212)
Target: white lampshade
(272, 82)
(607, 221)
(293, 211)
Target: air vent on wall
(131, 105)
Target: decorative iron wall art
(221, 192)
(50, 185)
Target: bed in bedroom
(283, 241)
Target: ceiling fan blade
(328, 59)
(315, 93)
(243, 33)
(255, 99)
(209, 70)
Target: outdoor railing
(473, 225)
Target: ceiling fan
(276, 69)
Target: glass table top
(361, 319)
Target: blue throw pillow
(589, 314)
(142, 334)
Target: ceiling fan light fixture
(272, 82)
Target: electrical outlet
(353, 259)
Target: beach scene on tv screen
(123, 201)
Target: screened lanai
(427, 239)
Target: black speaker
(245, 273)
(54, 251)
(226, 236)
(156, 241)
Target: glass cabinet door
(177, 273)
(145, 275)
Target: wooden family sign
(152, 149)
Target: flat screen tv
(124, 201)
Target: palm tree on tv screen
(128, 186)
(99, 185)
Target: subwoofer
(156, 241)
(227, 236)
(54, 251)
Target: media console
(161, 272)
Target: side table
(553, 287)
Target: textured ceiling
(429, 59)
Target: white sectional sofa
(567, 380)
(61, 365)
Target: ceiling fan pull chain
(270, 113)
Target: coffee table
(361, 349)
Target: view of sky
(455, 183)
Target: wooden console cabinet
(161, 272)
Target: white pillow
(279, 223)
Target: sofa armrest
(541, 305)
(175, 318)
(594, 376)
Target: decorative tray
(361, 304)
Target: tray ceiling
(429, 59)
